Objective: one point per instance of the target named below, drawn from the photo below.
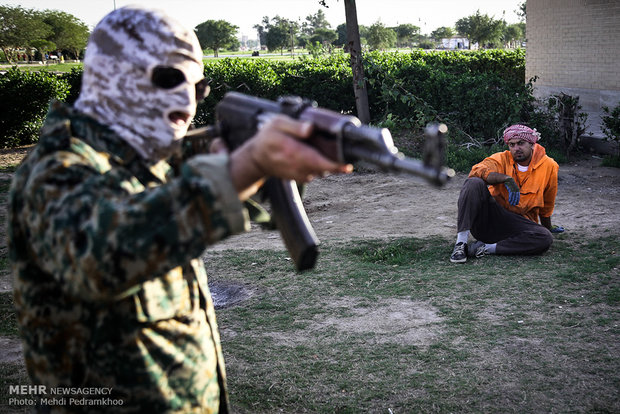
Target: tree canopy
(278, 33)
(341, 32)
(380, 37)
(481, 28)
(324, 35)
(405, 34)
(216, 34)
(521, 11)
(22, 30)
(478, 28)
(314, 22)
(68, 32)
(281, 33)
(261, 28)
(513, 33)
(442, 33)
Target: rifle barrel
(437, 176)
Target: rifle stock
(339, 137)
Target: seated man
(501, 201)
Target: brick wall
(573, 46)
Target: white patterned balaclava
(142, 72)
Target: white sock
(490, 248)
(462, 236)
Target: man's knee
(474, 182)
(543, 240)
(548, 238)
(473, 186)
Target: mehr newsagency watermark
(41, 395)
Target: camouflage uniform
(109, 286)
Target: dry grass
(11, 157)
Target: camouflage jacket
(109, 288)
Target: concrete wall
(573, 46)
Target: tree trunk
(355, 50)
(7, 55)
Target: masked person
(506, 194)
(105, 238)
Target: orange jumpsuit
(538, 186)
(485, 211)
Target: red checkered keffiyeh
(522, 132)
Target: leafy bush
(461, 158)
(74, 79)
(611, 126)
(24, 100)
(327, 80)
(427, 44)
(558, 155)
(474, 93)
(611, 161)
(569, 120)
(508, 63)
(254, 77)
(559, 120)
(477, 93)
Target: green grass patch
(382, 325)
(52, 67)
(385, 325)
(8, 168)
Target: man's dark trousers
(491, 223)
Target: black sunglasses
(167, 77)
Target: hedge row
(24, 98)
(477, 92)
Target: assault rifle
(339, 137)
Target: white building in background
(456, 43)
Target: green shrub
(74, 79)
(24, 100)
(326, 80)
(254, 77)
(558, 155)
(477, 93)
(461, 158)
(427, 44)
(611, 126)
(611, 161)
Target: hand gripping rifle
(338, 137)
